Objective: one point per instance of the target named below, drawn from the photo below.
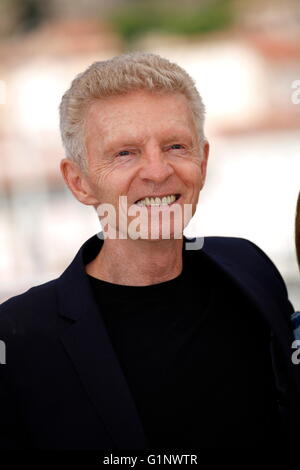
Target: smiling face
(144, 144)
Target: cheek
(190, 174)
(110, 185)
(102, 177)
(196, 174)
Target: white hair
(118, 76)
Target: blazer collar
(89, 347)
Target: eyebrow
(178, 136)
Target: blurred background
(245, 59)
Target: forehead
(139, 112)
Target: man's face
(144, 144)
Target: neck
(137, 262)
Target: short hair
(297, 230)
(118, 76)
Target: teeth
(157, 201)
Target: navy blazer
(62, 386)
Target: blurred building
(41, 223)
(245, 77)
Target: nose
(155, 166)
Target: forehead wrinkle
(102, 130)
(136, 102)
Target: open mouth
(158, 201)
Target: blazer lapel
(89, 347)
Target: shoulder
(234, 246)
(28, 310)
(246, 257)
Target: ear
(205, 153)
(77, 181)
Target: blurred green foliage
(137, 18)
(130, 18)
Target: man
(147, 341)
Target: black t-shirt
(196, 355)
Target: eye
(177, 145)
(123, 153)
